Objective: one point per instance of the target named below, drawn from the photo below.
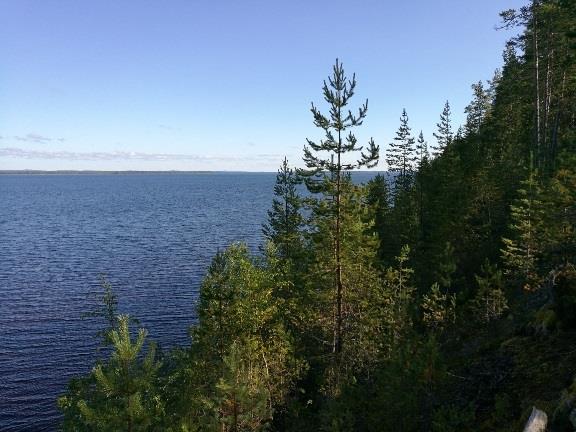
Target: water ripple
(153, 235)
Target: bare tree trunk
(537, 79)
(547, 100)
(554, 138)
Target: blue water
(153, 235)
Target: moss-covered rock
(545, 321)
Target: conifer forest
(438, 296)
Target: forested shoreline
(438, 297)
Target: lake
(152, 235)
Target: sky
(226, 85)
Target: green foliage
(560, 213)
(438, 308)
(328, 174)
(521, 253)
(242, 399)
(490, 300)
(477, 110)
(565, 289)
(285, 220)
(401, 156)
(341, 323)
(446, 266)
(454, 419)
(404, 386)
(360, 280)
(107, 308)
(337, 93)
(121, 393)
(423, 157)
(444, 135)
(241, 331)
(378, 197)
(392, 303)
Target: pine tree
(438, 308)
(444, 136)
(121, 393)
(106, 309)
(241, 401)
(361, 278)
(326, 174)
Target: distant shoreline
(90, 172)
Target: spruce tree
(422, 151)
(477, 110)
(560, 217)
(444, 135)
(490, 301)
(521, 252)
(421, 179)
(401, 157)
(285, 220)
(379, 197)
(325, 173)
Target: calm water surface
(152, 235)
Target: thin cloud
(19, 153)
(168, 127)
(37, 138)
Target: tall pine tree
(325, 173)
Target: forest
(439, 296)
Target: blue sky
(225, 85)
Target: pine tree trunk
(554, 138)
(338, 336)
(547, 102)
(537, 79)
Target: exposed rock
(537, 421)
(573, 417)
